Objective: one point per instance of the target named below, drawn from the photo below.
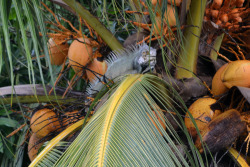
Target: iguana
(139, 59)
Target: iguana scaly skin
(139, 59)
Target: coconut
(155, 2)
(221, 132)
(202, 114)
(34, 146)
(58, 50)
(95, 68)
(175, 2)
(160, 118)
(43, 122)
(237, 73)
(169, 19)
(80, 54)
(218, 86)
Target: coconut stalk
(189, 53)
(35, 99)
(104, 33)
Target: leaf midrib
(114, 104)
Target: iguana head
(146, 59)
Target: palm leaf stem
(105, 34)
(189, 53)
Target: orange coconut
(224, 18)
(175, 2)
(34, 146)
(218, 86)
(160, 119)
(154, 2)
(58, 50)
(237, 73)
(43, 122)
(80, 54)
(202, 114)
(216, 4)
(168, 19)
(96, 66)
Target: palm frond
(17, 6)
(121, 132)
(6, 35)
(237, 157)
(53, 154)
(34, 33)
(1, 51)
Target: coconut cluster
(202, 118)
(226, 13)
(45, 123)
(42, 123)
(80, 54)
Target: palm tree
(122, 130)
(127, 127)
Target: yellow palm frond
(122, 131)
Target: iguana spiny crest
(139, 59)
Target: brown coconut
(96, 66)
(222, 131)
(58, 50)
(44, 121)
(80, 54)
(202, 114)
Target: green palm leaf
(121, 132)
(53, 154)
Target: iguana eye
(143, 53)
